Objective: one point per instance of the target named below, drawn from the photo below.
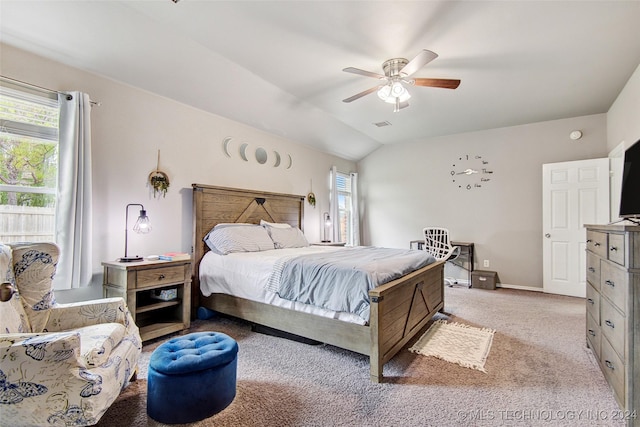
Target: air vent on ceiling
(382, 124)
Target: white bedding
(245, 275)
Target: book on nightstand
(175, 256)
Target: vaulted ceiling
(277, 65)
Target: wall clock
(470, 172)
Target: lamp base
(130, 259)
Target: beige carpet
(539, 373)
(457, 343)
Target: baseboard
(519, 287)
(464, 282)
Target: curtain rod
(44, 89)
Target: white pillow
(287, 237)
(274, 224)
(227, 238)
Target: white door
(574, 194)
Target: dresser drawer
(597, 243)
(593, 270)
(614, 284)
(616, 248)
(614, 370)
(160, 276)
(613, 326)
(593, 335)
(593, 303)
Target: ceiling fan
(396, 72)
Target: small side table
(328, 243)
(142, 284)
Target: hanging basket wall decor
(159, 180)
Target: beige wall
(128, 129)
(407, 187)
(623, 118)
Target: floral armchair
(60, 364)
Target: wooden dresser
(613, 310)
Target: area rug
(464, 345)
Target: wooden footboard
(400, 309)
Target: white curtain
(73, 207)
(333, 206)
(355, 211)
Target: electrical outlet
(486, 263)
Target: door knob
(547, 235)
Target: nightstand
(142, 284)
(328, 244)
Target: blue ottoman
(191, 377)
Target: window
(28, 165)
(345, 214)
(344, 207)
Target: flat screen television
(630, 192)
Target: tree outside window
(28, 166)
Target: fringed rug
(457, 343)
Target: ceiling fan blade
(363, 73)
(421, 59)
(443, 83)
(361, 94)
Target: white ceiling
(277, 65)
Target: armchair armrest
(40, 349)
(87, 313)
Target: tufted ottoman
(191, 377)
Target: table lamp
(142, 226)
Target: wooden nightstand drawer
(160, 276)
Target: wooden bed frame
(399, 309)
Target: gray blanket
(341, 280)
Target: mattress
(246, 275)
(325, 281)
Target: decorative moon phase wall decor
(260, 154)
(470, 172)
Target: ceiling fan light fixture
(393, 92)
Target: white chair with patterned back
(437, 243)
(60, 364)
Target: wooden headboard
(214, 205)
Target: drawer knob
(589, 240)
(596, 244)
(610, 283)
(613, 249)
(592, 332)
(609, 365)
(609, 323)
(590, 301)
(161, 277)
(591, 269)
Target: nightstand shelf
(137, 281)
